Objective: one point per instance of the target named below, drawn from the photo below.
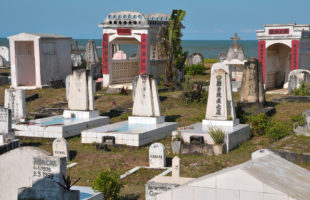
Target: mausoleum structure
(144, 126)
(37, 59)
(265, 176)
(281, 49)
(127, 27)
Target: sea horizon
(208, 48)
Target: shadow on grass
(172, 118)
(162, 98)
(72, 154)
(34, 144)
(130, 197)
(168, 162)
(113, 113)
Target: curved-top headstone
(2, 61)
(195, 58)
(4, 52)
(60, 148)
(221, 57)
(296, 77)
(157, 156)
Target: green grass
(91, 162)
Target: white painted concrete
(39, 58)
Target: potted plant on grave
(177, 141)
(218, 136)
(68, 193)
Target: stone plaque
(157, 156)
(220, 99)
(195, 58)
(5, 120)
(4, 52)
(15, 100)
(48, 167)
(176, 166)
(60, 148)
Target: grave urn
(218, 149)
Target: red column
(295, 55)
(105, 53)
(262, 55)
(143, 54)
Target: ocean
(208, 48)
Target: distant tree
(171, 42)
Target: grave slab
(129, 134)
(145, 126)
(57, 126)
(234, 135)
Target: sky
(204, 20)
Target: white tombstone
(220, 107)
(5, 120)
(81, 91)
(157, 156)
(146, 101)
(4, 52)
(176, 166)
(60, 148)
(15, 100)
(31, 168)
(2, 61)
(296, 77)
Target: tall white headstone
(176, 166)
(15, 100)
(220, 105)
(60, 148)
(157, 156)
(81, 90)
(146, 99)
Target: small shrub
(258, 123)
(194, 93)
(178, 136)
(277, 130)
(216, 134)
(198, 69)
(109, 183)
(229, 117)
(303, 90)
(299, 119)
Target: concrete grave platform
(234, 135)
(129, 134)
(57, 126)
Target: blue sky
(205, 20)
